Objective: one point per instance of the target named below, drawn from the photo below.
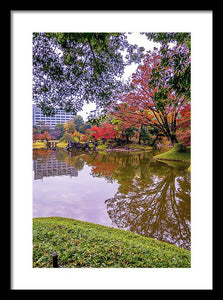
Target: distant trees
(42, 136)
(78, 121)
(69, 126)
(72, 129)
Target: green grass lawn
(82, 244)
(173, 154)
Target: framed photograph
(111, 186)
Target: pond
(130, 191)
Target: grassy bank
(62, 145)
(82, 244)
(39, 145)
(132, 147)
(42, 145)
(175, 154)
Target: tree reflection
(153, 198)
(41, 153)
(121, 167)
(156, 204)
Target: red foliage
(42, 136)
(103, 167)
(105, 131)
(150, 103)
(45, 153)
(184, 125)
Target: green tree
(70, 68)
(170, 37)
(60, 126)
(66, 137)
(181, 81)
(78, 121)
(84, 127)
(69, 126)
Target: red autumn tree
(184, 125)
(106, 131)
(35, 137)
(151, 99)
(42, 136)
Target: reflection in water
(158, 207)
(150, 198)
(52, 167)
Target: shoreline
(169, 159)
(126, 150)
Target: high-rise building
(60, 117)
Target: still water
(130, 191)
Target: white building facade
(60, 117)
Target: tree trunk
(173, 139)
(127, 138)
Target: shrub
(66, 137)
(102, 147)
(180, 147)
